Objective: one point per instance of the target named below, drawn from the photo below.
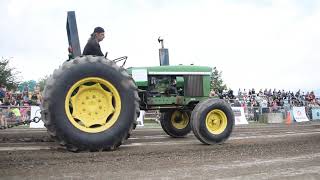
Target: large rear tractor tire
(176, 123)
(212, 121)
(90, 104)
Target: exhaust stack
(73, 37)
(163, 54)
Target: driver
(92, 47)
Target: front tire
(176, 123)
(212, 121)
(90, 103)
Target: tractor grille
(193, 85)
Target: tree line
(9, 78)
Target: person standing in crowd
(239, 92)
(244, 93)
(25, 111)
(5, 112)
(307, 97)
(6, 101)
(26, 98)
(283, 94)
(279, 93)
(16, 114)
(3, 120)
(2, 93)
(13, 101)
(25, 91)
(34, 99)
(269, 93)
(312, 96)
(274, 92)
(38, 96)
(237, 103)
(92, 47)
(253, 91)
(274, 106)
(298, 94)
(213, 93)
(255, 107)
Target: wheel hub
(216, 121)
(180, 119)
(93, 105)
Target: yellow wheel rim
(180, 120)
(93, 105)
(216, 121)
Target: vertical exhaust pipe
(73, 37)
(163, 54)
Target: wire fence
(16, 114)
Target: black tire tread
(195, 116)
(45, 113)
(166, 125)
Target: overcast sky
(256, 43)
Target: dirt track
(253, 152)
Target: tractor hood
(172, 70)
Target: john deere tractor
(91, 103)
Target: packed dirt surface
(253, 152)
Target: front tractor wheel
(90, 104)
(176, 123)
(212, 121)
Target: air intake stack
(73, 38)
(163, 54)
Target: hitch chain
(35, 120)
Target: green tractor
(91, 104)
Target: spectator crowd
(15, 106)
(268, 100)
